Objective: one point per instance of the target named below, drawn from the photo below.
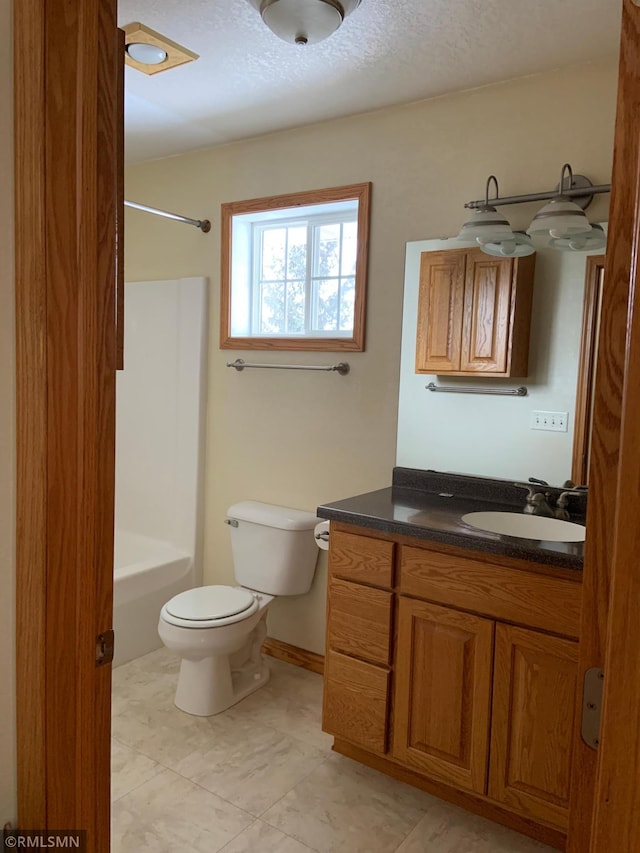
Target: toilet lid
(205, 603)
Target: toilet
(218, 630)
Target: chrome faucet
(561, 510)
(562, 502)
(536, 502)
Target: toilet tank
(274, 549)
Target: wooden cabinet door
(487, 313)
(440, 304)
(533, 717)
(443, 693)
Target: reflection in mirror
(294, 270)
(594, 281)
(492, 435)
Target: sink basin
(526, 526)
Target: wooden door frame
(65, 202)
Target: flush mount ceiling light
(304, 22)
(562, 221)
(150, 52)
(147, 54)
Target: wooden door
(487, 309)
(616, 819)
(66, 165)
(605, 795)
(443, 693)
(440, 309)
(534, 695)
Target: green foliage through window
(304, 276)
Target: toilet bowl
(219, 645)
(219, 630)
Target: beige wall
(7, 434)
(301, 439)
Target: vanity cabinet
(474, 313)
(456, 669)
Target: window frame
(325, 342)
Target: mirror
(294, 270)
(492, 435)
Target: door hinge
(592, 706)
(104, 648)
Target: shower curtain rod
(203, 224)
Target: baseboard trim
(294, 654)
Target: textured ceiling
(248, 82)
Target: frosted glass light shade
(147, 54)
(486, 226)
(588, 242)
(559, 218)
(518, 245)
(304, 21)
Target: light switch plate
(552, 421)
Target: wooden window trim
(355, 343)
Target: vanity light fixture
(519, 245)
(304, 22)
(486, 224)
(562, 221)
(492, 232)
(587, 242)
(561, 217)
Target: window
(294, 271)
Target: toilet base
(208, 686)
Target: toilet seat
(210, 606)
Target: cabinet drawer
(361, 558)
(507, 594)
(355, 701)
(359, 620)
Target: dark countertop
(429, 505)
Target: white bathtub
(147, 573)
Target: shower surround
(159, 456)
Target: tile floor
(261, 778)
